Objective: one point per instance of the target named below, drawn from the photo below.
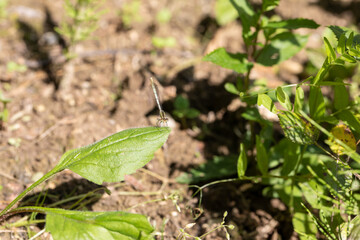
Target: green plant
(320, 187)
(163, 16)
(183, 110)
(107, 160)
(83, 15)
(163, 42)
(3, 5)
(130, 13)
(4, 114)
(15, 67)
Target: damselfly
(162, 120)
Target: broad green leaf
(283, 98)
(269, 5)
(231, 88)
(265, 100)
(108, 160)
(293, 24)
(281, 47)
(242, 161)
(236, 62)
(344, 134)
(299, 99)
(66, 224)
(218, 168)
(350, 119)
(316, 103)
(246, 14)
(341, 44)
(224, 12)
(329, 51)
(304, 225)
(297, 129)
(341, 96)
(262, 157)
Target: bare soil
(111, 92)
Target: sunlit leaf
(329, 50)
(355, 53)
(236, 62)
(344, 134)
(242, 161)
(246, 14)
(231, 88)
(66, 224)
(349, 119)
(283, 98)
(281, 47)
(225, 12)
(265, 100)
(269, 5)
(348, 58)
(110, 159)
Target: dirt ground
(111, 92)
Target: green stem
(22, 223)
(4, 213)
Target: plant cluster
(314, 168)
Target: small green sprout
(163, 42)
(163, 16)
(130, 13)
(183, 110)
(4, 114)
(15, 67)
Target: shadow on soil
(76, 194)
(39, 46)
